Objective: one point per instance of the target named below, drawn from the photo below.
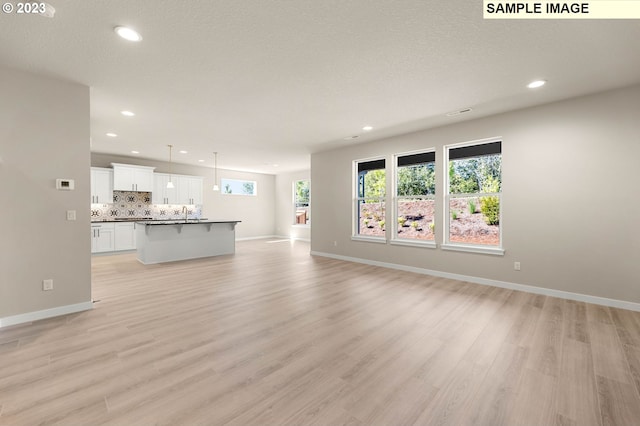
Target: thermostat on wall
(65, 184)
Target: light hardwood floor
(272, 335)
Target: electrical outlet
(516, 266)
(71, 215)
(335, 243)
(47, 285)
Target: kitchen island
(168, 241)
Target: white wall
(257, 213)
(285, 215)
(44, 135)
(570, 197)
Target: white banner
(589, 9)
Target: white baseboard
(614, 303)
(44, 314)
(261, 237)
(280, 237)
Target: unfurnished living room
(319, 213)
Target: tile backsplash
(128, 204)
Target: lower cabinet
(107, 237)
(125, 236)
(102, 237)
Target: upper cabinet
(189, 189)
(186, 190)
(101, 185)
(161, 194)
(127, 177)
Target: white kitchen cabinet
(102, 237)
(101, 185)
(127, 177)
(161, 194)
(125, 236)
(189, 189)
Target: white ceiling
(267, 82)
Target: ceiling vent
(458, 112)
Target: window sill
(379, 240)
(474, 249)
(299, 225)
(416, 243)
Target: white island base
(158, 242)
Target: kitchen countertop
(184, 222)
(144, 219)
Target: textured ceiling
(267, 82)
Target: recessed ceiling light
(537, 83)
(127, 113)
(367, 128)
(112, 135)
(200, 161)
(348, 138)
(276, 165)
(183, 152)
(128, 33)
(135, 152)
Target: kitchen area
(157, 214)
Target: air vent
(458, 112)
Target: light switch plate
(47, 285)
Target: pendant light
(170, 184)
(215, 172)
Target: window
(239, 187)
(414, 202)
(473, 197)
(301, 202)
(370, 189)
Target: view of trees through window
(415, 201)
(473, 190)
(475, 185)
(301, 202)
(371, 198)
(238, 187)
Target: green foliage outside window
(302, 193)
(479, 175)
(374, 185)
(247, 188)
(475, 174)
(419, 179)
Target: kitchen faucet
(186, 212)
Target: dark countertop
(183, 222)
(144, 219)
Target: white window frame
(295, 203)
(355, 235)
(472, 248)
(243, 181)
(394, 228)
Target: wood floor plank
(546, 344)
(272, 335)
(632, 354)
(619, 403)
(534, 401)
(493, 400)
(627, 325)
(449, 404)
(577, 395)
(608, 355)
